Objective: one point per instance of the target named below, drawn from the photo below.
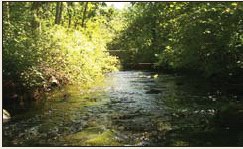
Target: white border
(98, 1)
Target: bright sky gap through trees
(118, 5)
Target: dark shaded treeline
(196, 37)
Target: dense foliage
(61, 42)
(66, 42)
(185, 36)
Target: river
(133, 108)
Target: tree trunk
(57, 21)
(69, 14)
(84, 14)
(60, 12)
(59, 8)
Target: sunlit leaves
(73, 55)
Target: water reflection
(133, 108)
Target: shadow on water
(133, 108)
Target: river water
(133, 108)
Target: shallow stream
(133, 108)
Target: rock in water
(154, 91)
(6, 116)
(54, 82)
(155, 76)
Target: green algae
(107, 138)
(180, 143)
(93, 136)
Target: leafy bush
(70, 57)
(37, 52)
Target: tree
(84, 14)
(59, 8)
(69, 10)
(184, 36)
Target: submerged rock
(6, 116)
(153, 91)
